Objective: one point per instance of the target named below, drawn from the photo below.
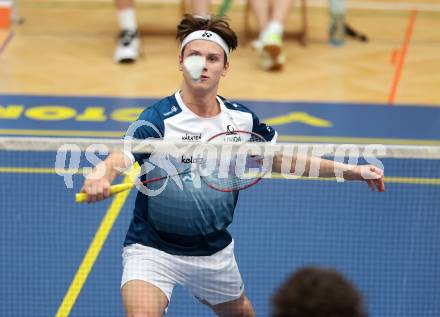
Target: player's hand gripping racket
(118, 188)
(229, 168)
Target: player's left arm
(371, 174)
(315, 166)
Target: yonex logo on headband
(207, 36)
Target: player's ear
(180, 62)
(225, 69)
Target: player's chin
(202, 85)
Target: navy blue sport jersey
(187, 217)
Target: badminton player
(180, 236)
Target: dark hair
(217, 24)
(317, 292)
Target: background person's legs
(128, 48)
(271, 18)
(124, 4)
(200, 7)
(280, 11)
(261, 10)
(337, 11)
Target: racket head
(234, 170)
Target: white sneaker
(257, 44)
(272, 56)
(128, 47)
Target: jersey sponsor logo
(233, 138)
(192, 137)
(230, 130)
(231, 135)
(192, 160)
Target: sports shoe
(337, 30)
(272, 55)
(128, 47)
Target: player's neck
(203, 104)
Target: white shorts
(214, 279)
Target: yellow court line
(25, 170)
(93, 252)
(413, 180)
(281, 138)
(39, 170)
(390, 179)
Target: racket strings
(238, 170)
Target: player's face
(215, 66)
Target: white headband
(207, 36)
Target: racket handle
(114, 189)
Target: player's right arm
(97, 183)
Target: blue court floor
(387, 243)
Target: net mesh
(63, 258)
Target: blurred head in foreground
(317, 292)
